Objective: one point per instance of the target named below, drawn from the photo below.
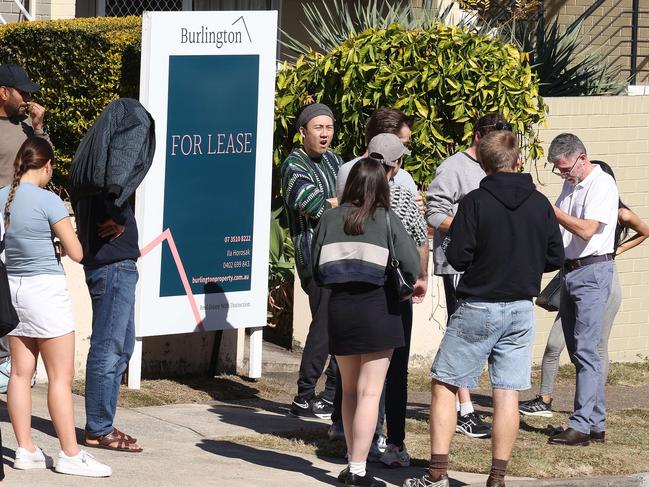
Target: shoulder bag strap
(392, 260)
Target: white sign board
(203, 211)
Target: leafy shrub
(445, 77)
(81, 66)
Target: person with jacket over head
(351, 251)
(503, 238)
(109, 165)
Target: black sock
(438, 467)
(498, 468)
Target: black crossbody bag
(395, 276)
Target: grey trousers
(4, 347)
(556, 343)
(584, 294)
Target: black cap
(14, 76)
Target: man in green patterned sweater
(308, 189)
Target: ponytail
(33, 154)
(12, 194)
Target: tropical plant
(564, 63)
(445, 77)
(332, 22)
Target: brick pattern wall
(615, 130)
(609, 27)
(10, 11)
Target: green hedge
(445, 77)
(81, 66)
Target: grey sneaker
(536, 407)
(393, 456)
(426, 481)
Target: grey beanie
(310, 112)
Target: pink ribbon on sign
(166, 235)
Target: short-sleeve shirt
(594, 198)
(402, 178)
(29, 239)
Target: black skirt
(363, 318)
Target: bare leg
(370, 371)
(24, 354)
(505, 424)
(58, 356)
(463, 395)
(443, 417)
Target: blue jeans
(501, 333)
(584, 294)
(112, 289)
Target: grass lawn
(625, 451)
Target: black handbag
(8, 316)
(550, 297)
(402, 286)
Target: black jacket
(504, 237)
(115, 154)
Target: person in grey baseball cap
(387, 149)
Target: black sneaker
(342, 476)
(536, 407)
(354, 480)
(473, 426)
(301, 407)
(322, 408)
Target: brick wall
(10, 11)
(41, 9)
(609, 27)
(615, 130)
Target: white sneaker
(27, 460)
(393, 456)
(83, 464)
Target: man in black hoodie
(504, 237)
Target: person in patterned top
(308, 177)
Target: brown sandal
(115, 440)
(126, 437)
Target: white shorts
(43, 305)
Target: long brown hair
(33, 154)
(366, 189)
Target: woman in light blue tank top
(33, 216)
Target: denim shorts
(501, 333)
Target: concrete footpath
(187, 445)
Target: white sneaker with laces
(27, 460)
(393, 456)
(82, 464)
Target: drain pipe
(634, 41)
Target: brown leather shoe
(598, 436)
(493, 482)
(570, 437)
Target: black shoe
(536, 407)
(322, 408)
(473, 426)
(342, 476)
(354, 480)
(301, 407)
(598, 436)
(570, 437)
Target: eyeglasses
(564, 174)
